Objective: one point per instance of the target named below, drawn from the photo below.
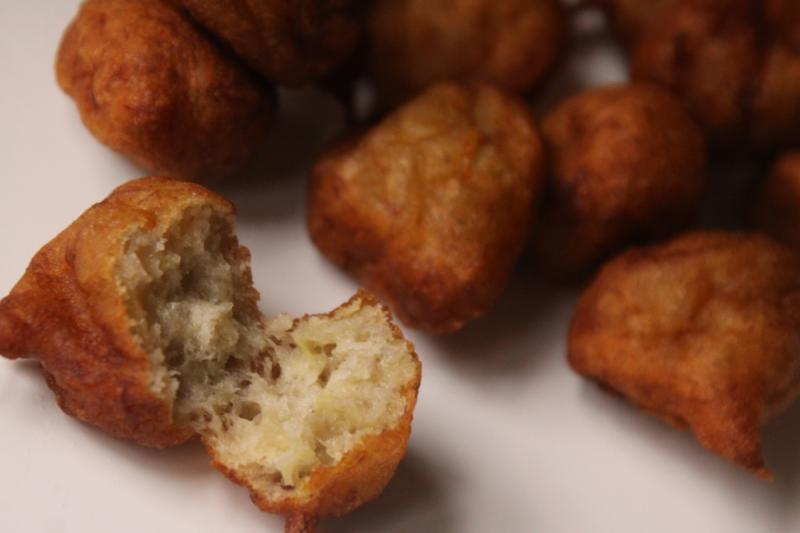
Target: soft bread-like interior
(273, 400)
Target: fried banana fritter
(148, 84)
(430, 209)
(734, 62)
(777, 205)
(416, 43)
(626, 162)
(703, 331)
(144, 320)
(291, 42)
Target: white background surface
(506, 437)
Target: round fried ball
(626, 162)
(148, 84)
(777, 206)
(415, 43)
(431, 208)
(290, 42)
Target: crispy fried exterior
(291, 42)
(67, 312)
(415, 43)
(707, 52)
(734, 62)
(301, 524)
(430, 209)
(777, 207)
(776, 104)
(631, 18)
(364, 471)
(703, 331)
(626, 162)
(148, 84)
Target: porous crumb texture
(273, 400)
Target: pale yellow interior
(275, 399)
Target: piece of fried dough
(149, 85)
(627, 162)
(431, 208)
(290, 42)
(702, 331)
(777, 206)
(144, 319)
(415, 43)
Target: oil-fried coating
(705, 51)
(626, 162)
(430, 208)
(66, 312)
(702, 332)
(290, 42)
(776, 101)
(416, 43)
(734, 62)
(631, 18)
(149, 85)
(144, 320)
(777, 206)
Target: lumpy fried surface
(431, 207)
(145, 321)
(777, 205)
(626, 162)
(707, 52)
(290, 42)
(416, 43)
(149, 85)
(702, 332)
(733, 62)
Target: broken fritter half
(431, 208)
(702, 331)
(144, 320)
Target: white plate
(506, 437)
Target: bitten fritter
(626, 162)
(415, 43)
(703, 332)
(289, 42)
(735, 63)
(144, 319)
(430, 209)
(777, 205)
(149, 85)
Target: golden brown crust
(626, 162)
(431, 208)
(734, 62)
(705, 51)
(702, 332)
(149, 85)
(298, 523)
(776, 102)
(291, 42)
(67, 313)
(777, 206)
(363, 472)
(631, 18)
(416, 43)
